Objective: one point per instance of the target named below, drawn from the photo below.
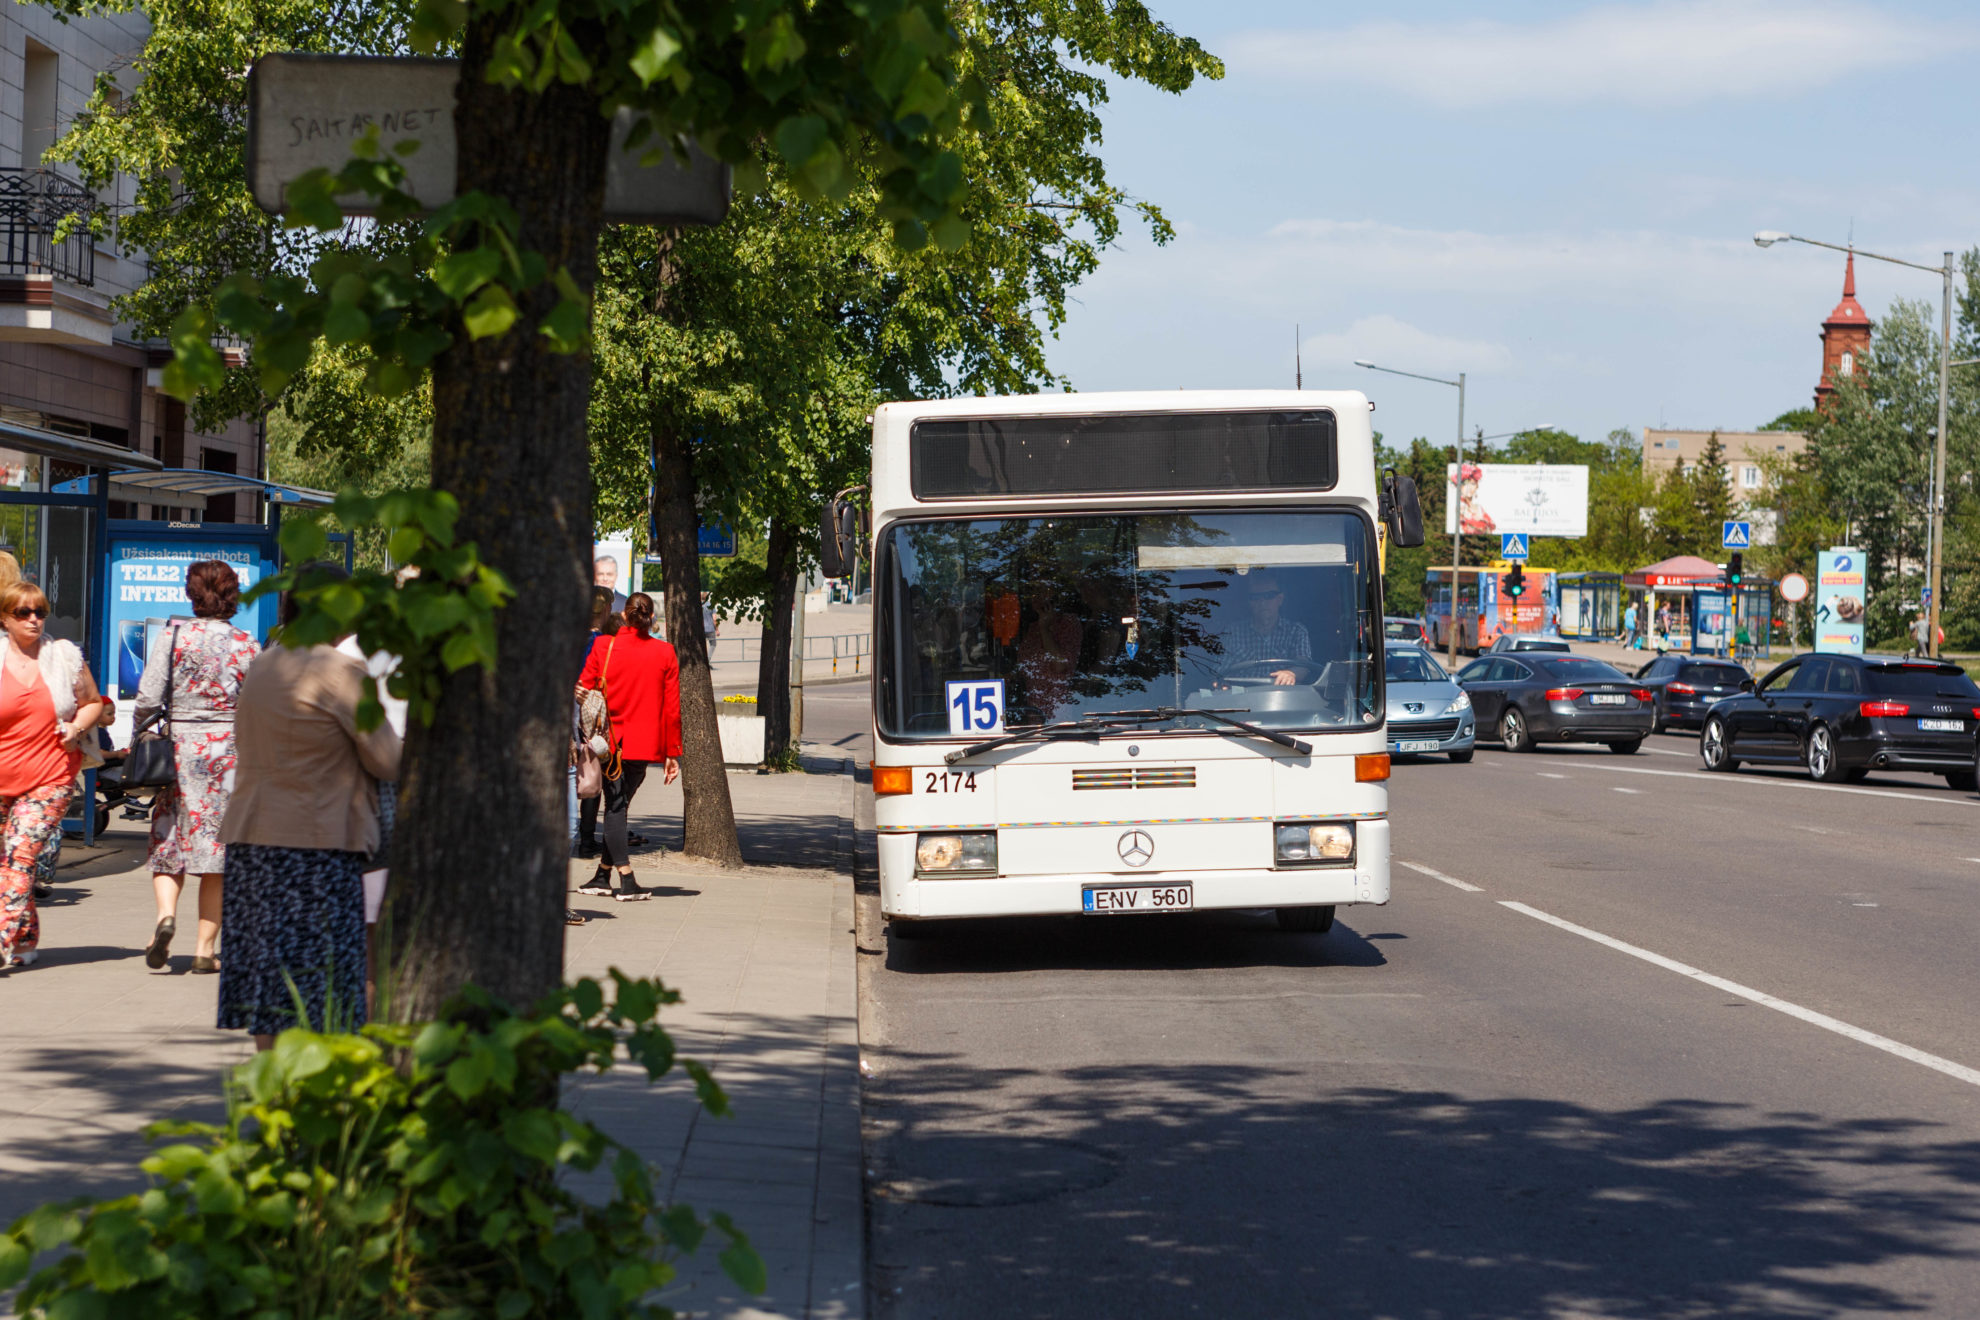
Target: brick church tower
(1845, 336)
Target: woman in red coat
(641, 681)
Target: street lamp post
(1457, 523)
(1935, 537)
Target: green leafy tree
(491, 295)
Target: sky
(1557, 199)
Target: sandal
(204, 966)
(160, 947)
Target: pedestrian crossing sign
(1736, 535)
(1512, 545)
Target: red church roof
(1849, 311)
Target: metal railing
(853, 651)
(33, 202)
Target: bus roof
(1353, 459)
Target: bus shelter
(1590, 605)
(136, 572)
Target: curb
(837, 1273)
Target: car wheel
(1463, 757)
(1821, 756)
(1627, 747)
(1512, 731)
(1713, 747)
(1963, 780)
(1305, 920)
(1658, 723)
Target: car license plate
(1942, 726)
(1418, 745)
(1138, 898)
(1607, 699)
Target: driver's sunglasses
(31, 612)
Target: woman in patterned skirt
(203, 662)
(302, 821)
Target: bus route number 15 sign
(976, 705)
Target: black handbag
(150, 763)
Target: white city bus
(1127, 654)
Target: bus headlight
(956, 854)
(1314, 845)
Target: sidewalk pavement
(96, 1046)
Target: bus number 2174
(951, 781)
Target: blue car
(1428, 712)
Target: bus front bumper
(902, 895)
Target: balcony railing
(32, 203)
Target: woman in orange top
(641, 679)
(48, 704)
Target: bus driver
(1262, 634)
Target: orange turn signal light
(1369, 768)
(894, 780)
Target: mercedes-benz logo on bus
(1136, 848)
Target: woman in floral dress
(204, 661)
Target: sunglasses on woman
(30, 612)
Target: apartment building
(78, 392)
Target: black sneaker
(630, 892)
(573, 918)
(600, 884)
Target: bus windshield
(1270, 615)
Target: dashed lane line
(1547, 774)
(1619, 789)
(1779, 783)
(1957, 1071)
(1451, 880)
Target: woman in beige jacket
(302, 821)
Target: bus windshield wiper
(1222, 717)
(1086, 726)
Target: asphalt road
(1719, 1060)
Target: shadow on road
(1195, 941)
(1226, 1191)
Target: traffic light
(1735, 568)
(1516, 581)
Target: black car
(1537, 697)
(1843, 716)
(1686, 688)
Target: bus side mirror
(838, 543)
(1401, 510)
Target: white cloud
(1345, 265)
(1665, 53)
(1384, 339)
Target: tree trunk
(708, 818)
(773, 669)
(480, 862)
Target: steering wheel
(1261, 671)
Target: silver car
(1428, 712)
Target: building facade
(79, 393)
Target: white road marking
(1948, 801)
(1625, 790)
(1817, 829)
(1959, 1071)
(1545, 775)
(1662, 751)
(1439, 875)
